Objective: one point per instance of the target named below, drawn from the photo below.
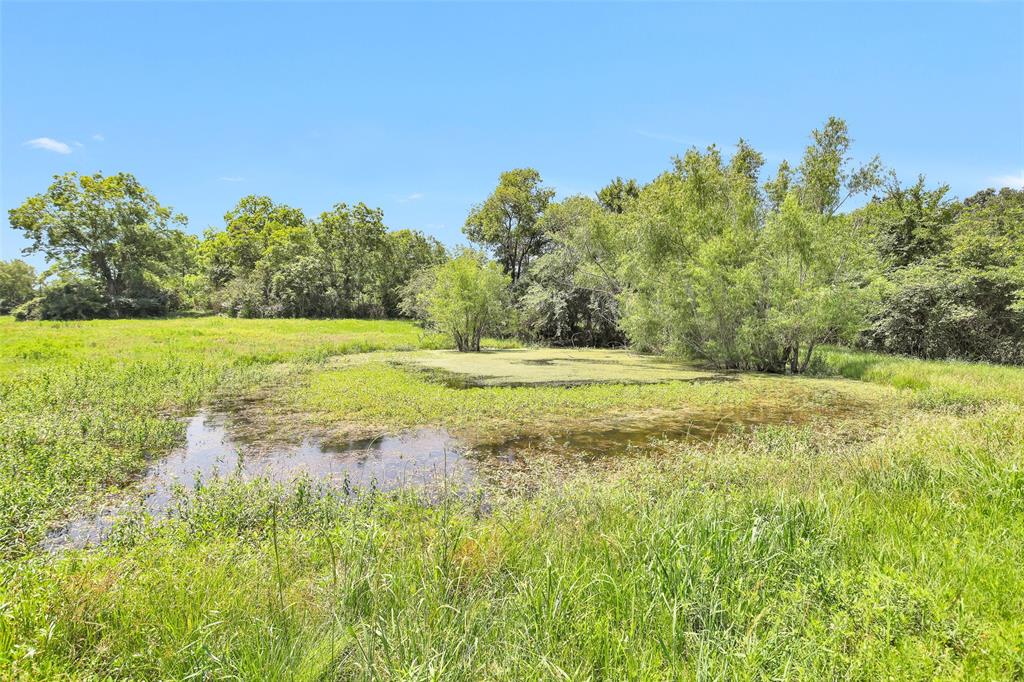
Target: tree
(249, 230)
(354, 243)
(508, 221)
(955, 288)
(466, 298)
(110, 228)
(813, 273)
(17, 284)
(570, 295)
(712, 268)
(616, 195)
(826, 178)
(910, 223)
(408, 252)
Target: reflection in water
(415, 457)
(412, 458)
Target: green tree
(713, 268)
(354, 241)
(110, 228)
(617, 194)
(571, 290)
(248, 232)
(17, 284)
(408, 252)
(910, 223)
(826, 177)
(955, 288)
(466, 298)
(508, 222)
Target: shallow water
(414, 457)
(418, 457)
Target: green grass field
(879, 538)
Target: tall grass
(934, 383)
(84, 405)
(898, 559)
(793, 552)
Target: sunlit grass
(803, 551)
(386, 393)
(793, 554)
(934, 383)
(84, 405)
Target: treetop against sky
(417, 108)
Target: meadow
(872, 533)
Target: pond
(421, 457)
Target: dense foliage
(465, 297)
(271, 261)
(567, 300)
(115, 253)
(111, 236)
(955, 280)
(707, 260)
(17, 284)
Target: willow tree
(716, 269)
(466, 297)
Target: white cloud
(98, 137)
(1013, 180)
(231, 178)
(415, 196)
(49, 144)
(78, 144)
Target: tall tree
(508, 222)
(108, 227)
(911, 223)
(249, 229)
(714, 268)
(826, 175)
(353, 239)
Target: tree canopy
(17, 284)
(708, 259)
(109, 228)
(509, 221)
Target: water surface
(416, 457)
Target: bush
(466, 298)
(933, 313)
(68, 299)
(74, 298)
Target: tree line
(707, 260)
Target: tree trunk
(807, 358)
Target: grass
(558, 366)
(86, 404)
(793, 552)
(361, 393)
(932, 383)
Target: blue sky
(417, 108)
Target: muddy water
(415, 457)
(419, 457)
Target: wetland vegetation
(825, 542)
